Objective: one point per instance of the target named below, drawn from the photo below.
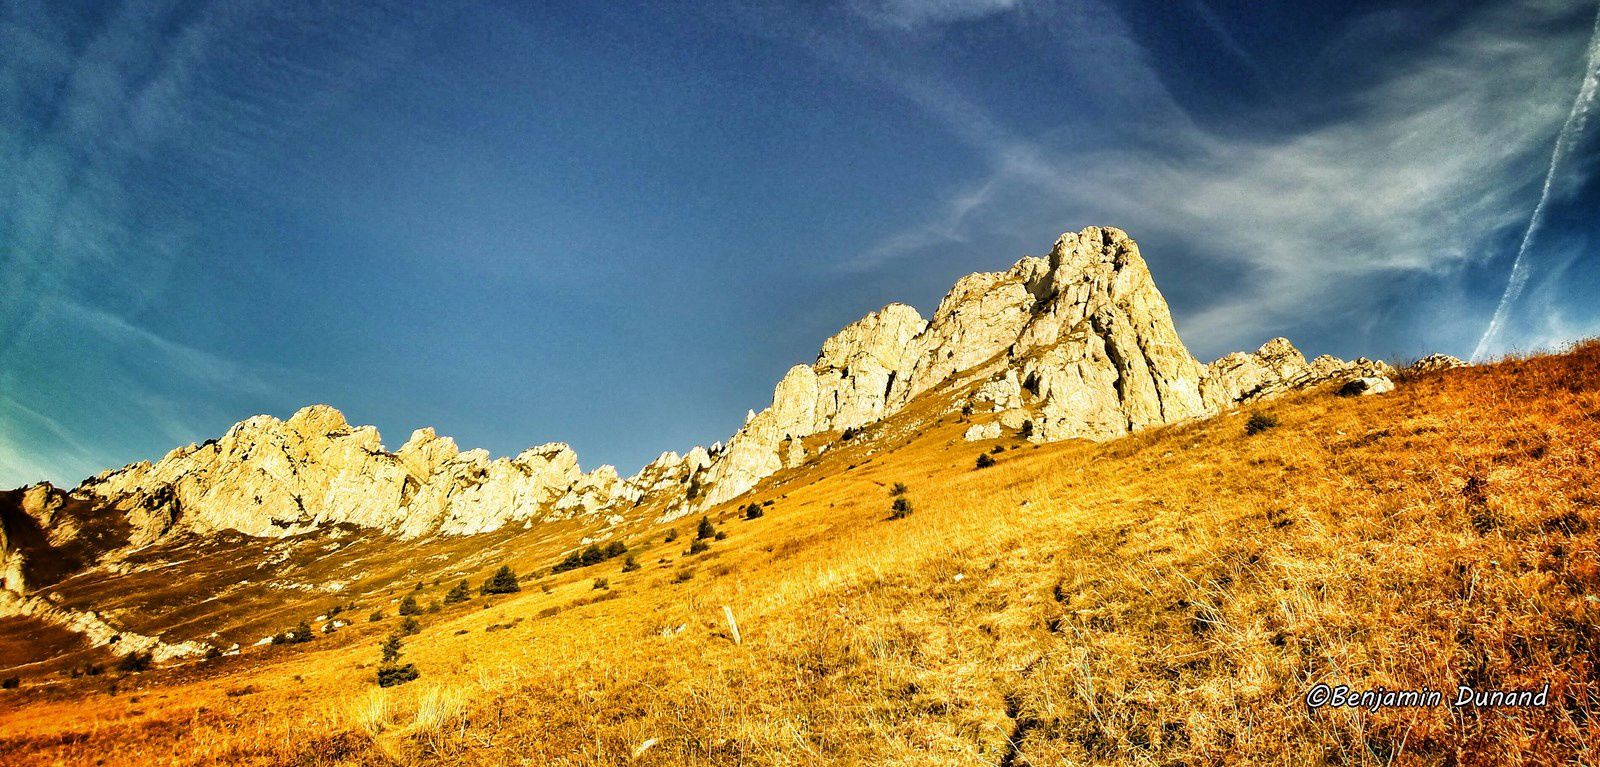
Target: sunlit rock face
(1075, 344)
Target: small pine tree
(410, 626)
(629, 564)
(696, 546)
(461, 593)
(985, 461)
(391, 648)
(408, 606)
(504, 581)
(898, 488)
(753, 511)
(901, 508)
(705, 530)
(390, 671)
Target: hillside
(1162, 598)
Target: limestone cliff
(1076, 344)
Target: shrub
(1259, 422)
(408, 606)
(504, 581)
(391, 676)
(985, 461)
(433, 607)
(390, 671)
(1027, 429)
(721, 535)
(629, 565)
(966, 409)
(10, 683)
(898, 488)
(705, 530)
(672, 535)
(590, 555)
(410, 626)
(753, 511)
(135, 662)
(998, 449)
(601, 583)
(696, 547)
(377, 615)
(301, 633)
(213, 652)
(460, 593)
(683, 576)
(849, 433)
(900, 509)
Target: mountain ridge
(1078, 344)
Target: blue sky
(616, 226)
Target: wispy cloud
(1319, 210)
(912, 14)
(1571, 132)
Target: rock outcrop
(1435, 363)
(1076, 344)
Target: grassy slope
(1162, 599)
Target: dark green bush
(672, 535)
(602, 583)
(504, 581)
(629, 565)
(697, 546)
(1259, 422)
(299, 634)
(377, 615)
(705, 529)
(900, 509)
(135, 662)
(985, 461)
(410, 626)
(753, 511)
(898, 488)
(408, 606)
(460, 593)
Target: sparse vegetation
(137, 661)
(672, 535)
(629, 564)
(377, 615)
(1163, 598)
(696, 546)
(849, 433)
(1260, 422)
(410, 626)
(504, 581)
(300, 634)
(705, 529)
(602, 583)
(900, 509)
(391, 672)
(985, 461)
(408, 606)
(461, 592)
(897, 489)
(721, 535)
(592, 554)
(753, 511)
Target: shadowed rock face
(1077, 344)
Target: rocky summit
(1078, 344)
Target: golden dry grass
(1166, 598)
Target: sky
(617, 225)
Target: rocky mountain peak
(1075, 344)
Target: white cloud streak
(1320, 212)
(1571, 131)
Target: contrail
(1570, 131)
